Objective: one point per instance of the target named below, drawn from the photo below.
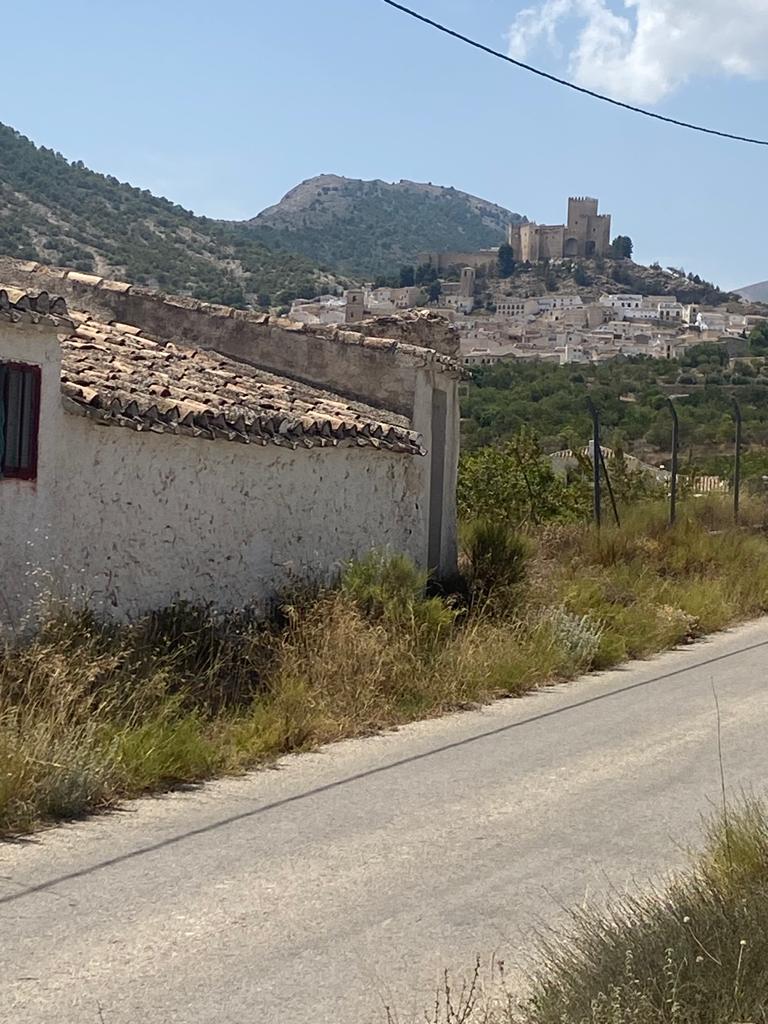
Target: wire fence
(601, 456)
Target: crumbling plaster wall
(128, 522)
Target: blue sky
(223, 107)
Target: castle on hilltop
(587, 234)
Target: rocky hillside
(365, 228)
(755, 292)
(590, 278)
(59, 212)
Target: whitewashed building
(136, 470)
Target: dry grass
(91, 713)
(695, 952)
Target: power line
(569, 85)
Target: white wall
(130, 521)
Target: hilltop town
(555, 293)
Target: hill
(755, 292)
(366, 228)
(590, 278)
(62, 213)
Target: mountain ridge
(60, 212)
(365, 227)
(754, 292)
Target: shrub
(578, 635)
(515, 483)
(494, 560)
(389, 588)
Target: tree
(506, 261)
(758, 340)
(622, 247)
(407, 277)
(581, 277)
(435, 291)
(425, 274)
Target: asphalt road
(346, 880)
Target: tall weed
(92, 712)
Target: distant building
(355, 308)
(621, 302)
(587, 234)
(389, 300)
(325, 309)
(516, 307)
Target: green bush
(391, 589)
(515, 483)
(494, 560)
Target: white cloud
(645, 49)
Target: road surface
(347, 879)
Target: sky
(223, 107)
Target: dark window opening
(19, 419)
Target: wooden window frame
(29, 472)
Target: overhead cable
(570, 85)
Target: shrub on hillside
(515, 483)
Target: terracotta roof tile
(115, 375)
(18, 304)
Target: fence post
(736, 461)
(595, 460)
(610, 488)
(675, 447)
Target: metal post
(675, 447)
(595, 460)
(610, 488)
(736, 461)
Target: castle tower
(467, 283)
(529, 242)
(587, 232)
(355, 308)
(600, 233)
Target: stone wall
(419, 327)
(485, 259)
